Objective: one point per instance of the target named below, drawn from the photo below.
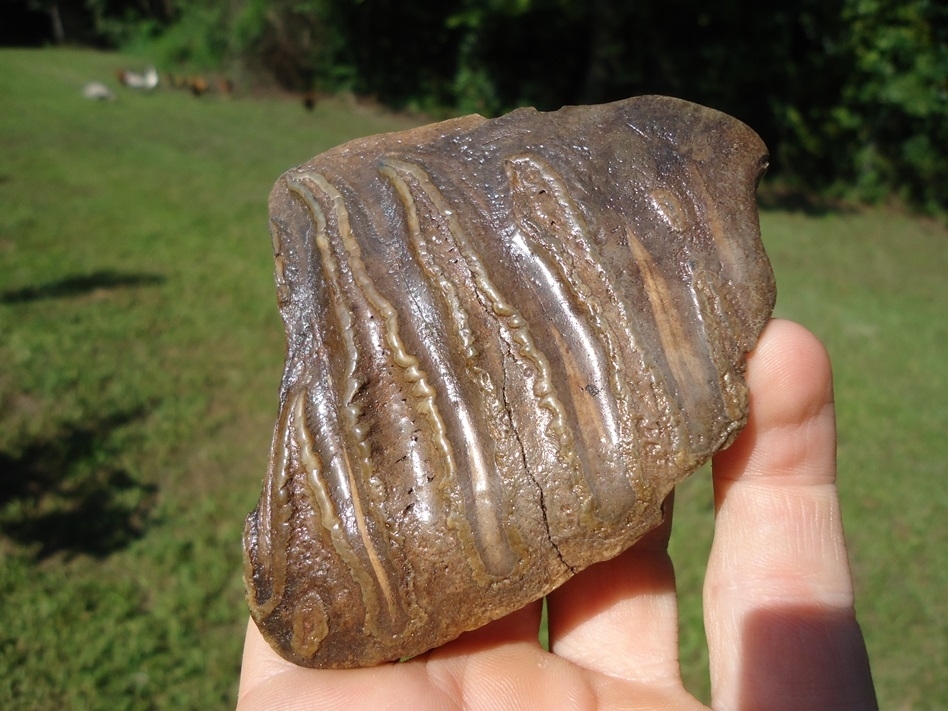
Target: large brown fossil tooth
(507, 341)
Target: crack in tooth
(529, 472)
(433, 256)
(543, 313)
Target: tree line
(851, 96)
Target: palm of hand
(778, 595)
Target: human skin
(778, 596)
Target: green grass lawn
(140, 353)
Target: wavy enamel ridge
(507, 341)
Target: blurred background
(141, 350)
(851, 95)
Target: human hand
(778, 596)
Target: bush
(851, 95)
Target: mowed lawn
(140, 354)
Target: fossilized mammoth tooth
(507, 341)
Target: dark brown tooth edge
(507, 341)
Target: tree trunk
(59, 34)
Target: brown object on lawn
(507, 341)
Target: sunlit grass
(140, 353)
(139, 362)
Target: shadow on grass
(79, 285)
(60, 493)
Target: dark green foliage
(294, 41)
(895, 102)
(851, 95)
